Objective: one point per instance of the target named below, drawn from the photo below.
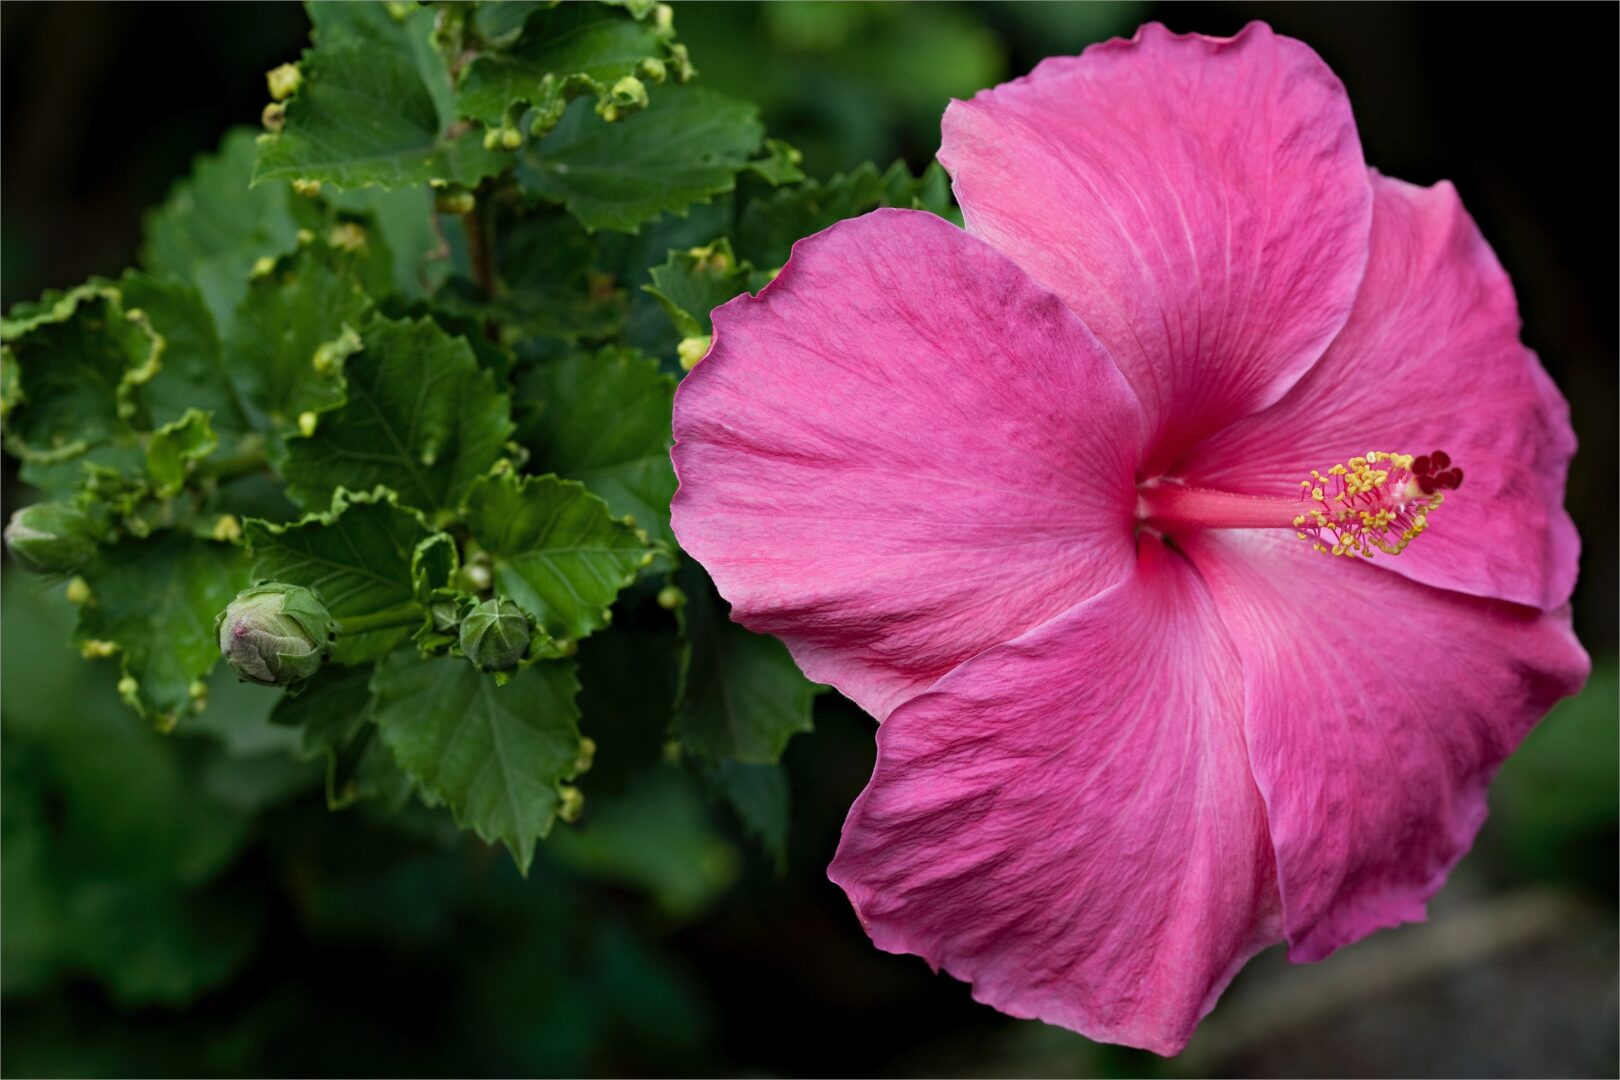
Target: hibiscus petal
(1377, 712)
(1430, 359)
(1201, 203)
(1068, 821)
(901, 453)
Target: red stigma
(1434, 472)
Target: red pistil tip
(1380, 502)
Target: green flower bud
(275, 634)
(495, 635)
(51, 537)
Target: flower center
(1380, 502)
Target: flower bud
(51, 537)
(495, 635)
(274, 634)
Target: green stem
(407, 614)
(250, 457)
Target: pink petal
(1377, 712)
(1430, 359)
(1201, 203)
(901, 453)
(1068, 821)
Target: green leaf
(294, 328)
(769, 226)
(357, 559)
(691, 284)
(761, 799)
(421, 417)
(335, 713)
(686, 147)
(779, 165)
(553, 289)
(193, 373)
(173, 449)
(555, 549)
(497, 755)
(742, 697)
(375, 108)
(214, 226)
(407, 223)
(603, 420)
(563, 52)
(155, 599)
(73, 365)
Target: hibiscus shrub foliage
(398, 370)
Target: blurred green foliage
(185, 905)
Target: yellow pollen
(1372, 504)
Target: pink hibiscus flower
(1034, 495)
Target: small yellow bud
(670, 598)
(306, 424)
(274, 117)
(455, 200)
(511, 139)
(629, 93)
(284, 81)
(263, 266)
(573, 803)
(129, 689)
(78, 591)
(96, 649)
(227, 529)
(347, 235)
(587, 754)
(307, 188)
(693, 349)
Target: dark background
(104, 106)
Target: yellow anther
(1365, 509)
